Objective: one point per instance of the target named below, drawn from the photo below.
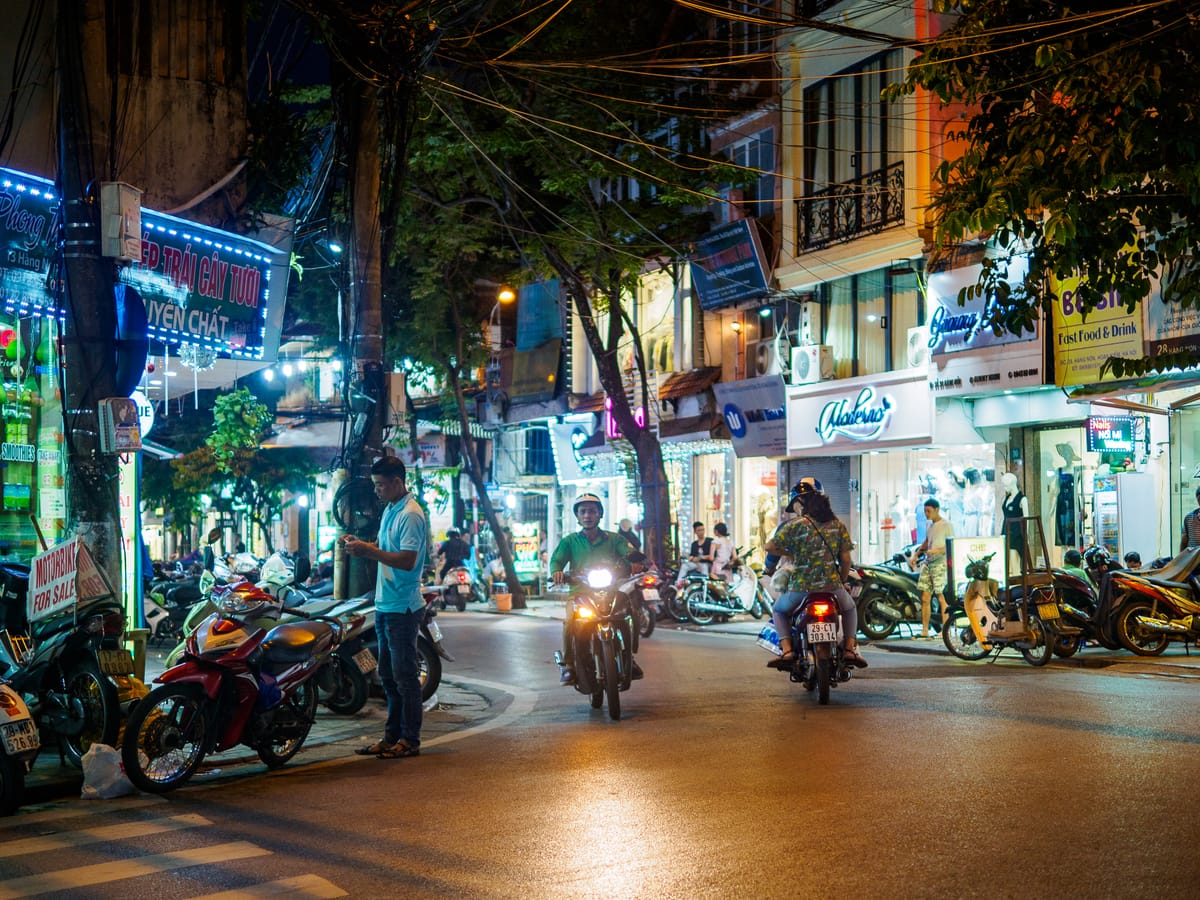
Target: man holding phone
(399, 607)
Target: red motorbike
(240, 681)
(1149, 609)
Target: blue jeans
(400, 672)
(789, 601)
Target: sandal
(853, 658)
(398, 750)
(784, 661)
(372, 749)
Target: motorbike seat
(294, 642)
(1178, 569)
(695, 576)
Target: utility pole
(89, 334)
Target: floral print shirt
(814, 566)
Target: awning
(690, 383)
(592, 403)
(689, 428)
(1113, 393)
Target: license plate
(821, 631)
(435, 631)
(116, 662)
(1048, 610)
(19, 737)
(365, 660)
(650, 595)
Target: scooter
(239, 682)
(889, 596)
(818, 664)
(1151, 609)
(19, 743)
(603, 660)
(708, 598)
(459, 588)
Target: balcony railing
(853, 208)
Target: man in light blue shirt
(399, 608)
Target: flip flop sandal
(398, 751)
(373, 749)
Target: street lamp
(504, 296)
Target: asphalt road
(924, 777)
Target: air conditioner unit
(765, 358)
(918, 347)
(811, 363)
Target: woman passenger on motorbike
(819, 546)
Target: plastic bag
(103, 774)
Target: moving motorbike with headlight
(241, 681)
(602, 616)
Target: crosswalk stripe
(102, 873)
(301, 887)
(26, 817)
(82, 836)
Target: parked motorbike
(1149, 609)
(603, 662)
(889, 596)
(239, 683)
(459, 588)
(816, 639)
(992, 619)
(709, 598)
(71, 669)
(19, 743)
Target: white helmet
(587, 498)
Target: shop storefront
(885, 447)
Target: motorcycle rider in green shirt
(590, 547)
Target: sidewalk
(452, 708)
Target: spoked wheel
(343, 686)
(675, 603)
(431, 668)
(1043, 649)
(293, 720)
(612, 681)
(959, 637)
(12, 784)
(696, 596)
(874, 625)
(1137, 638)
(166, 737)
(97, 696)
(824, 654)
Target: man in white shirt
(934, 575)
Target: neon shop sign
(862, 419)
(611, 429)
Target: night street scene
(599, 449)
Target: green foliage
(1081, 149)
(240, 421)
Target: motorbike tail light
(113, 623)
(9, 702)
(821, 609)
(649, 581)
(463, 578)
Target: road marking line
(84, 836)
(302, 887)
(102, 873)
(24, 818)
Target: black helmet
(806, 485)
(1097, 557)
(587, 498)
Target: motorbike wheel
(1040, 653)
(756, 609)
(959, 637)
(12, 784)
(293, 720)
(460, 601)
(101, 709)
(675, 603)
(694, 598)
(612, 682)
(597, 698)
(874, 625)
(166, 737)
(1135, 638)
(1067, 646)
(348, 687)
(645, 620)
(431, 668)
(824, 654)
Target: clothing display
(1013, 508)
(1064, 510)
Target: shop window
(539, 458)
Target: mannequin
(1014, 506)
(1061, 490)
(974, 503)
